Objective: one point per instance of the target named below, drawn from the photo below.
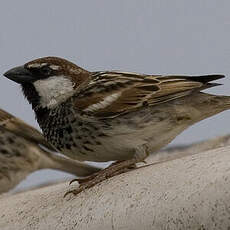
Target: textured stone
(190, 192)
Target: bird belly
(109, 149)
(120, 142)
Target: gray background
(154, 36)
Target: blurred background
(147, 36)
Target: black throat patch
(31, 94)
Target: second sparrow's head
(48, 81)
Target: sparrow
(112, 116)
(23, 150)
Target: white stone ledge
(192, 192)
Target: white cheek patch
(54, 90)
(104, 103)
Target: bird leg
(88, 178)
(113, 170)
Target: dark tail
(205, 78)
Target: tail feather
(209, 85)
(53, 161)
(205, 78)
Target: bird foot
(91, 177)
(111, 171)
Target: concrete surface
(191, 192)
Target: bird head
(49, 81)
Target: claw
(111, 171)
(71, 192)
(74, 180)
(76, 191)
(82, 180)
(86, 179)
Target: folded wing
(110, 94)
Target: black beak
(20, 75)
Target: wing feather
(113, 93)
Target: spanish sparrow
(112, 116)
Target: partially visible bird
(112, 116)
(23, 150)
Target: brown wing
(20, 128)
(112, 93)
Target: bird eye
(41, 71)
(45, 70)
